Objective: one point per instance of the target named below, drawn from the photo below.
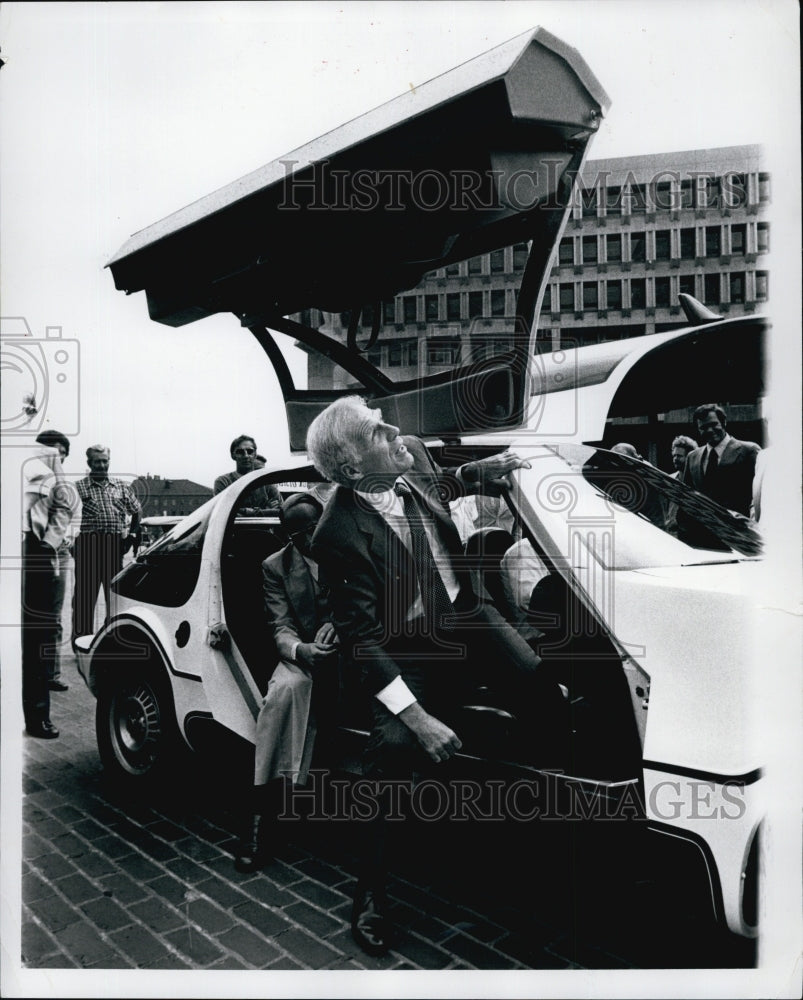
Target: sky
(116, 115)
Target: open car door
(480, 159)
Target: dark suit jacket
(732, 486)
(291, 603)
(371, 573)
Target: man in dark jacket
(404, 607)
(723, 467)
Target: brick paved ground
(111, 882)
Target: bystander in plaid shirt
(106, 505)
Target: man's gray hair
(683, 441)
(96, 449)
(332, 438)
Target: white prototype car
(624, 606)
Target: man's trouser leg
(38, 628)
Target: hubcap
(136, 727)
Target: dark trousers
(493, 652)
(98, 558)
(42, 594)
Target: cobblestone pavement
(110, 882)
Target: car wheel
(136, 725)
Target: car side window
(167, 573)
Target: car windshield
(186, 536)
(651, 518)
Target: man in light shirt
(404, 607)
(49, 506)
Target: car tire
(135, 722)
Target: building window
(395, 355)
(734, 190)
(374, 356)
(589, 202)
(521, 252)
(763, 237)
(686, 194)
(762, 286)
(737, 286)
(367, 316)
(663, 196)
(453, 305)
(442, 352)
(389, 311)
(687, 245)
(662, 291)
(663, 244)
(431, 307)
(590, 295)
(474, 304)
(687, 284)
(709, 192)
(409, 308)
(498, 301)
(567, 297)
(589, 249)
(713, 241)
(614, 294)
(738, 239)
(497, 262)
(638, 293)
(764, 187)
(475, 265)
(613, 200)
(638, 247)
(638, 199)
(566, 251)
(452, 270)
(613, 248)
(546, 305)
(711, 286)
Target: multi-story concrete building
(641, 230)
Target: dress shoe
(58, 686)
(251, 854)
(370, 926)
(44, 730)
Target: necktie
(711, 468)
(434, 595)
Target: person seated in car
(304, 682)
(260, 500)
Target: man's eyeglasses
(245, 451)
(309, 531)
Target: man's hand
(326, 635)
(494, 471)
(437, 739)
(313, 654)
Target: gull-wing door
(405, 252)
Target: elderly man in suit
(723, 467)
(404, 608)
(297, 607)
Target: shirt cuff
(396, 696)
(294, 650)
